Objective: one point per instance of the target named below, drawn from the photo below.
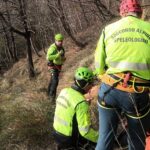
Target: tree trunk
(13, 46)
(7, 42)
(28, 37)
(29, 55)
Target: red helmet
(129, 6)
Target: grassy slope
(26, 115)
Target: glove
(59, 54)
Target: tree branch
(143, 6)
(54, 9)
(34, 48)
(11, 28)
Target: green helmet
(59, 37)
(84, 73)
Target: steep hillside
(26, 112)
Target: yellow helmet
(59, 37)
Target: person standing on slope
(55, 58)
(122, 59)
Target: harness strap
(102, 103)
(58, 67)
(126, 79)
(140, 115)
(134, 85)
(129, 82)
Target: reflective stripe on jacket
(69, 103)
(124, 46)
(52, 55)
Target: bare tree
(59, 12)
(103, 11)
(83, 12)
(7, 42)
(13, 45)
(27, 36)
(34, 23)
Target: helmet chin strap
(80, 86)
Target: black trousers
(72, 143)
(54, 80)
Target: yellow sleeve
(51, 53)
(84, 122)
(100, 55)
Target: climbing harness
(126, 82)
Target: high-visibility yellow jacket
(52, 54)
(124, 46)
(70, 103)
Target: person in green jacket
(72, 124)
(122, 59)
(55, 58)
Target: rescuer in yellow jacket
(122, 60)
(72, 122)
(55, 57)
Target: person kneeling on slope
(72, 124)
